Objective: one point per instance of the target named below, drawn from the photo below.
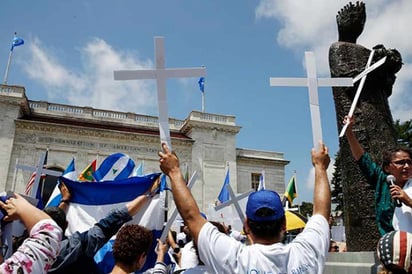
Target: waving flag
(17, 41)
(201, 83)
(56, 196)
(87, 174)
(291, 191)
(115, 167)
(86, 209)
(224, 192)
(138, 171)
(262, 181)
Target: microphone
(391, 180)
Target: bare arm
(185, 203)
(355, 146)
(321, 193)
(20, 208)
(135, 205)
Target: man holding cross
(265, 223)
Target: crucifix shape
(39, 171)
(174, 213)
(235, 201)
(312, 82)
(362, 77)
(160, 73)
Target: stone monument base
(352, 263)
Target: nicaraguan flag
(56, 196)
(224, 192)
(115, 167)
(17, 41)
(91, 202)
(201, 83)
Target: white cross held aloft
(362, 77)
(235, 201)
(312, 82)
(40, 170)
(160, 73)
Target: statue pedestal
(352, 263)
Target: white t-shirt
(305, 254)
(402, 218)
(188, 257)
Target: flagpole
(203, 101)
(6, 74)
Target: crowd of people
(205, 246)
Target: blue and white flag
(224, 192)
(201, 83)
(91, 202)
(262, 181)
(56, 196)
(17, 41)
(117, 166)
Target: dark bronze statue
(374, 123)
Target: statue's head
(351, 21)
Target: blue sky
(72, 47)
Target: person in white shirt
(265, 224)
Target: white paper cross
(235, 201)
(39, 171)
(160, 73)
(362, 77)
(312, 82)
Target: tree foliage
(404, 132)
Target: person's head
(131, 247)
(333, 246)
(58, 215)
(394, 251)
(265, 220)
(398, 162)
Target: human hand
(169, 162)
(320, 158)
(398, 193)
(13, 206)
(350, 121)
(161, 248)
(66, 195)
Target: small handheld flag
(224, 192)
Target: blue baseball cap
(264, 199)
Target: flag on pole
(224, 192)
(115, 167)
(202, 84)
(87, 174)
(56, 196)
(17, 41)
(30, 183)
(262, 181)
(291, 190)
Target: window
(255, 180)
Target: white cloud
(312, 26)
(94, 85)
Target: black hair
(58, 215)
(267, 229)
(388, 155)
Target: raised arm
(355, 146)
(185, 203)
(321, 193)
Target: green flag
(291, 192)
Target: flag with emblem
(115, 167)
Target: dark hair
(269, 229)
(390, 153)
(58, 215)
(131, 242)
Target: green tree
(404, 132)
(306, 209)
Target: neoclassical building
(204, 142)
